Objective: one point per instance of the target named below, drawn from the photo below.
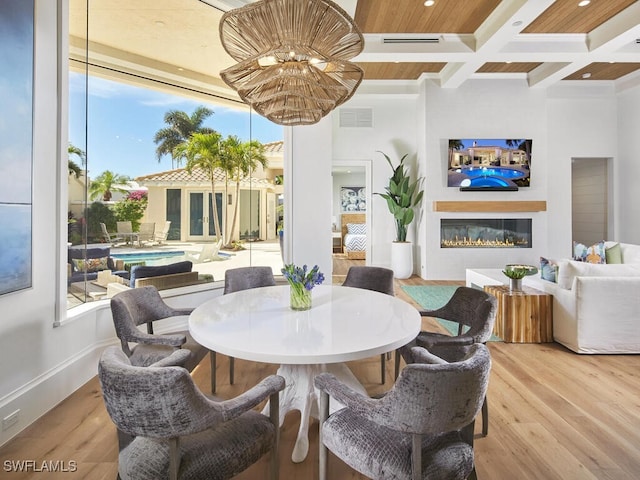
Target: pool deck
(264, 253)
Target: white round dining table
(343, 324)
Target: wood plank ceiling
(545, 42)
(175, 45)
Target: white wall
(308, 188)
(499, 109)
(394, 132)
(571, 121)
(581, 122)
(628, 167)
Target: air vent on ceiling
(356, 117)
(412, 40)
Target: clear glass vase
(300, 298)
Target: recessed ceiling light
(586, 75)
(429, 3)
(584, 3)
(517, 23)
(159, 23)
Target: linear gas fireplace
(485, 233)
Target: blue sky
(124, 119)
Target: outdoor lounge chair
(208, 253)
(110, 238)
(161, 235)
(146, 233)
(125, 230)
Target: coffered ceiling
(174, 44)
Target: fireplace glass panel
(485, 233)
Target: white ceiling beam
(617, 32)
(498, 30)
(550, 73)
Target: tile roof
(196, 176)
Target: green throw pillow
(613, 254)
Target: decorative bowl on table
(516, 272)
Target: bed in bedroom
(354, 235)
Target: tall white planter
(402, 259)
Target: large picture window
(157, 136)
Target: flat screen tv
(479, 164)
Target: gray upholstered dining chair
(179, 433)
(420, 429)
(474, 311)
(244, 278)
(144, 305)
(378, 279)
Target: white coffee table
(343, 324)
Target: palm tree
(180, 128)
(238, 160)
(106, 183)
(454, 144)
(74, 168)
(202, 151)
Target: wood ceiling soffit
(604, 71)
(411, 16)
(398, 71)
(564, 16)
(503, 67)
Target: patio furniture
(146, 233)
(208, 253)
(420, 429)
(139, 272)
(84, 264)
(125, 230)
(161, 235)
(179, 432)
(112, 239)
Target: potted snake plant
(402, 195)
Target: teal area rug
(431, 297)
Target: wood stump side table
(523, 316)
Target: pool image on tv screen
(489, 164)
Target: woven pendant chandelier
(292, 58)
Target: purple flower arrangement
(302, 276)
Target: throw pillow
(593, 254)
(579, 251)
(91, 264)
(613, 254)
(357, 228)
(548, 270)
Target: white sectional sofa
(596, 308)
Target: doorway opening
(591, 200)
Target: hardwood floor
(553, 415)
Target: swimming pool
(136, 257)
(477, 172)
